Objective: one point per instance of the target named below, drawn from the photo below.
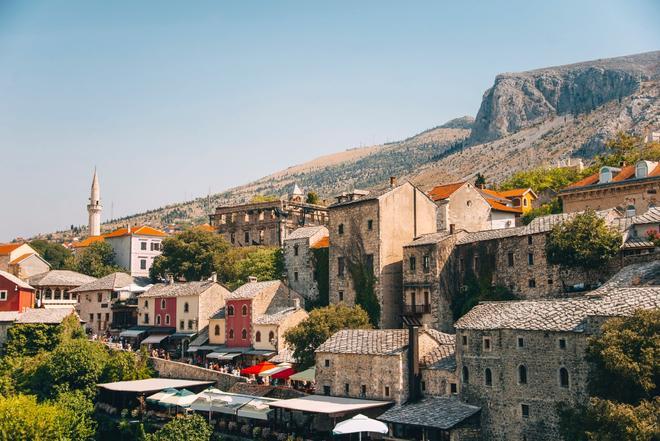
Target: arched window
(271, 336)
(257, 336)
(244, 334)
(231, 334)
(49, 294)
(295, 250)
(230, 310)
(522, 374)
(167, 319)
(340, 229)
(244, 310)
(146, 303)
(162, 304)
(58, 294)
(186, 308)
(158, 320)
(488, 377)
(466, 375)
(563, 377)
(217, 329)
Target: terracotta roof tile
(625, 173)
(441, 192)
(87, 241)
(501, 207)
(21, 258)
(144, 230)
(323, 242)
(589, 180)
(7, 248)
(656, 171)
(515, 192)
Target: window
(271, 337)
(257, 336)
(488, 377)
(524, 410)
(99, 296)
(232, 238)
(143, 264)
(562, 343)
(461, 264)
(531, 283)
(476, 263)
(49, 294)
(58, 294)
(464, 339)
(522, 374)
(295, 276)
(549, 281)
(426, 263)
(231, 334)
(167, 319)
(107, 316)
(326, 390)
(244, 334)
(563, 377)
(509, 257)
(186, 307)
(363, 390)
(3, 294)
(412, 263)
(466, 375)
(370, 224)
(146, 318)
(340, 229)
(347, 388)
(182, 325)
(295, 250)
(217, 329)
(158, 320)
(244, 310)
(143, 246)
(327, 363)
(155, 246)
(468, 203)
(91, 317)
(530, 258)
(191, 324)
(162, 304)
(453, 388)
(369, 262)
(340, 266)
(247, 237)
(387, 391)
(423, 385)
(529, 240)
(487, 346)
(521, 342)
(524, 202)
(230, 310)
(341, 296)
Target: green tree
(126, 366)
(263, 198)
(189, 428)
(584, 241)
(32, 338)
(97, 260)
(54, 253)
(625, 148)
(480, 180)
(313, 198)
(321, 324)
(623, 383)
(552, 207)
(264, 263)
(542, 178)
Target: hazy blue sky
(171, 98)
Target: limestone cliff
(520, 100)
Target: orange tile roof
(206, 227)
(142, 231)
(625, 173)
(21, 258)
(656, 171)
(87, 241)
(501, 207)
(589, 180)
(323, 242)
(441, 192)
(6, 248)
(516, 192)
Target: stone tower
(94, 207)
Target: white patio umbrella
(182, 398)
(155, 398)
(279, 368)
(358, 424)
(213, 394)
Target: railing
(416, 309)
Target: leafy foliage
(263, 198)
(54, 253)
(584, 241)
(319, 326)
(625, 148)
(480, 180)
(542, 178)
(553, 207)
(190, 428)
(32, 338)
(97, 260)
(264, 263)
(313, 198)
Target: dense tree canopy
(97, 260)
(32, 338)
(542, 178)
(626, 148)
(319, 326)
(313, 198)
(189, 428)
(54, 253)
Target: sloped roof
(437, 412)
(110, 282)
(515, 192)
(252, 289)
(87, 241)
(13, 279)
(323, 242)
(444, 191)
(275, 318)
(6, 248)
(626, 173)
(306, 232)
(51, 316)
(143, 230)
(501, 207)
(652, 216)
(61, 278)
(21, 258)
(430, 238)
(376, 341)
(219, 314)
(179, 289)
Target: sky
(171, 100)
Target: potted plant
(256, 432)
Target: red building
(15, 294)
(239, 321)
(165, 311)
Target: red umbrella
(283, 375)
(257, 368)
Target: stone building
(517, 360)
(54, 288)
(268, 329)
(632, 188)
(266, 223)
(305, 253)
(21, 260)
(441, 269)
(642, 226)
(367, 232)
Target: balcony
(416, 309)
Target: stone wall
(300, 266)
(639, 193)
(175, 369)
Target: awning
(332, 406)
(216, 355)
(276, 369)
(182, 335)
(131, 333)
(306, 375)
(227, 356)
(256, 409)
(154, 339)
(284, 374)
(264, 353)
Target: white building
(136, 248)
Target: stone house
(641, 226)
(301, 259)
(632, 188)
(367, 232)
(266, 223)
(54, 288)
(441, 269)
(15, 294)
(269, 328)
(518, 359)
(462, 206)
(21, 260)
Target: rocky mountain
(525, 120)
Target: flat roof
(151, 385)
(327, 405)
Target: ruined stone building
(517, 360)
(306, 260)
(266, 223)
(367, 232)
(632, 188)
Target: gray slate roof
(617, 298)
(430, 238)
(12, 278)
(652, 216)
(60, 278)
(110, 282)
(637, 242)
(219, 314)
(51, 316)
(437, 412)
(178, 289)
(305, 232)
(274, 318)
(251, 289)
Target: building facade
(55, 288)
(15, 294)
(21, 260)
(305, 255)
(136, 248)
(367, 232)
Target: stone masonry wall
(302, 265)
(175, 369)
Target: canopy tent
(155, 398)
(332, 406)
(306, 375)
(280, 367)
(284, 374)
(211, 395)
(182, 398)
(132, 333)
(258, 368)
(358, 424)
(154, 339)
(215, 355)
(257, 409)
(222, 403)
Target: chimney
(214, 277)
(392, 181)
(452, 228)
(252, 279)
(170, 279)
(414, 374)
(296, 303)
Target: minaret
(94, 208)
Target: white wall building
(136, 248)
